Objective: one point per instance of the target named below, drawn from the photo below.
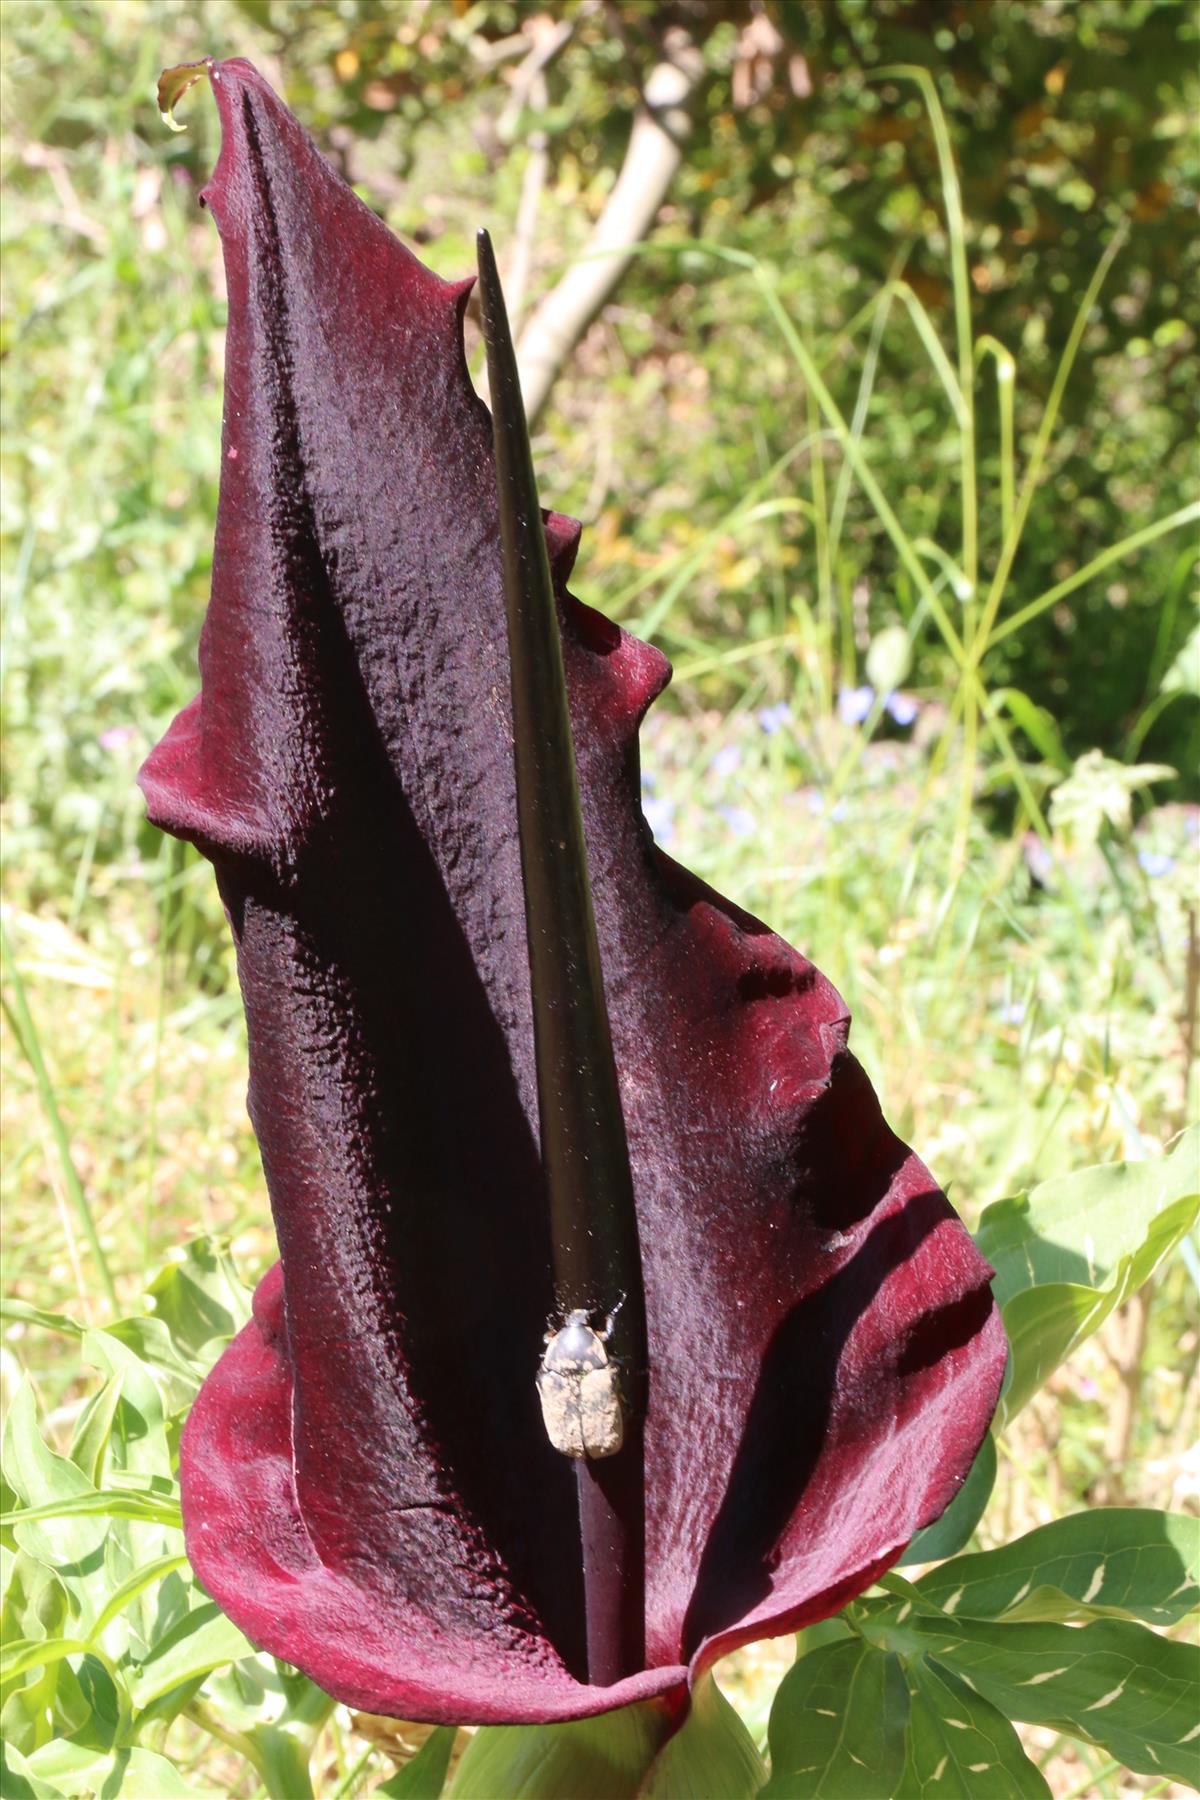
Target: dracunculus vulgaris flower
(368, 1487)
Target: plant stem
(585, 1156)
(26, 1035)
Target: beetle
(579, 1390)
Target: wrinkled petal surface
(368, 1490)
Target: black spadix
(585, 1156)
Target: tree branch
(661, 126)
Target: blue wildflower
(774, 718)
(853, 704)
(739, 821)
(660, 817)
(903, 708)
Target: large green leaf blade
(958, 1747)
(1130, 1561)
(1045, 1325)
(837, 1725)
(1077, 1228)
(1071, 1251)
(1112, 1683)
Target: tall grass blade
(961, 286)
(27, 1037)
(1037, 459)
(1137, 540)
(1006, 383)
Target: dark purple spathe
(367, 1487)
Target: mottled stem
(585, 1157)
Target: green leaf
(1069, 1253)
(140, 1423)
(204, 1640)
(37, 1653)
(35, 1315)
(17, 1779)
(133, 1774)
(152, 1722)
(1047, 1325)
(138, 1448)
(1112, 1683)
(139, 1774)
(34, 1601)
(605, 1758)
(136, 1584)
(1039, 726)
(837, 1725)
(826, 1631)
(200, 1299)
(1099, 791)
(947, 1535)
(1114, 1560)
(1183, 676)
(711, 1753)
(424, 1776)
(109, 1711)
(149, 1340)
(284, 1760)
(107, 1714)
(1078, 1228)
(36, 1607)
(958, 1747)
(89, 1442)
(52, 1529)
(109, 1503)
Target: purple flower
(660, 817)
(739, 821)
(853, 704)
(1155, 863)
(1038, 859)
(903, 708)
(773, 718)
(118, 737)
(727, 759)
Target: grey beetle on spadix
(580, 1392)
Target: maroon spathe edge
(367, 1487)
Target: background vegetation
(886, 437)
